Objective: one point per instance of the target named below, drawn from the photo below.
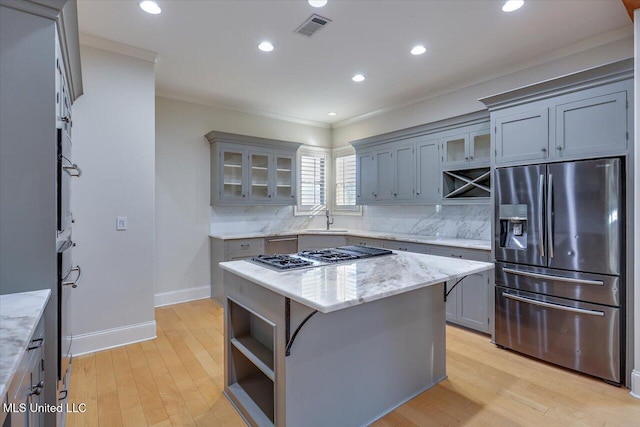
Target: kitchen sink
(332, 231)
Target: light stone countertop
(484, 245)
(337, 286)
(19, 316)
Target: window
(313, 182)
(344, 184)
(345, 181)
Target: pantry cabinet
(247, 170)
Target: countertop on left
(19, 316)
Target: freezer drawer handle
(556, 306)
(550, 277)
(540, 218)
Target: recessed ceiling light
(265, 46)
(358, 78)
(512, 5)
(332, 114)
(317, 3)
(150, 7)
(418, 50)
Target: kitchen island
(340, 344)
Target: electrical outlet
(121, 223)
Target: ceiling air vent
(311, 25)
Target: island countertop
(337, 286)
(19, 316)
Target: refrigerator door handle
(550, 277)
(555, 306)
(540, 217)
(550, 216)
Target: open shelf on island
(467, 183)
(251, 373)
(257, 353)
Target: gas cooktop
(317, 258)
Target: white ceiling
(207, 49)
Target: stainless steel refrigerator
(559, 264)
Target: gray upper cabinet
(427, 170)
(591, 124)
(455, 150)
(406, 167)
(385, 174)
(577, 116)
(469, 149)
(250, 170)
(366, 177)
(522, 136)
(404, 172)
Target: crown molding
(115, 47)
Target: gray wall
(184, 216)
(114, 144)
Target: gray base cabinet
(470, 302)
(26, 391)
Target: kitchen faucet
(329, 221)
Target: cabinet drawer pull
(35, 343)
(244, 245)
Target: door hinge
(495, 129)
(626, 104)
(627, 136)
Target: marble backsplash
(458, 221)
(261, 219)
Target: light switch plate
(121, 223)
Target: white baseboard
(110, 338)
(635, 383)
(182, 295)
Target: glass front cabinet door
(233, 170)
(259, 172)
(284, 178)
(247, 170)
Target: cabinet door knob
(544, 150)
(269, 195)
(418, 193)
(466, 158)
(395, 194)
(471, 157)
(243, 195)
(559, 148)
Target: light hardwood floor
(176, 380)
